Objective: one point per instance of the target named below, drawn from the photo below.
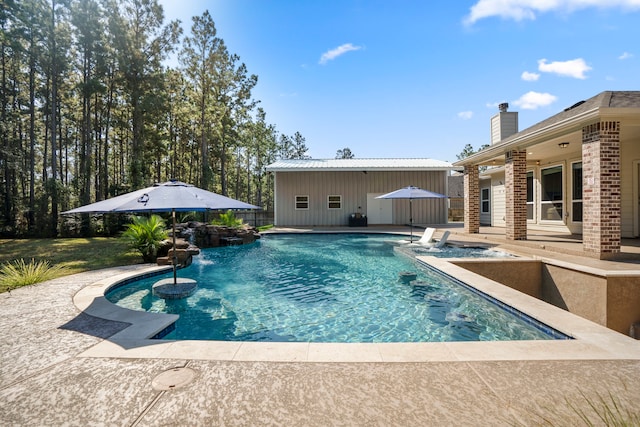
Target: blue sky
(421, 78)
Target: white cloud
(530, 77)
(573, 68)
(465, 115)
(520, 10)
(625, 55)
(338, 51)
(534, 100)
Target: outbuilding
(335, 192)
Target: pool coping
(590, 340)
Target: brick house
(577, 171)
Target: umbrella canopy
(411, 193)
(170, 196)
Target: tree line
(89, 110)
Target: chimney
(504, 124)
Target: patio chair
(425, 240)
(443, 240)
(427, 236)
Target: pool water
(325, 288)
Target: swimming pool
(326, 288)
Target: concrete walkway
(44, 381)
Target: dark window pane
(552, 184)
(576, 215)
(576, 172)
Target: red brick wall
(471, 199)
(516, 195)
(601, 188)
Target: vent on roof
(577, 104)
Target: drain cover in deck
(173, 379)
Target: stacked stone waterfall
(192, 236)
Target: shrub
(228, 219)
(146, 236)
(20, 273)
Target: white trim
(534, 205)
(275, 197)
(562, 167)
(488, 200)
(329, 202)
(571, 186)
(295, 202)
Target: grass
(72, 255)
(21, 273)
(601, 410)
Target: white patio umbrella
(171, 196)
(411, 193)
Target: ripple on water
(324, 288)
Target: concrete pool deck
(66, 358)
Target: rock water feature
(192, 236)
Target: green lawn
(75, 255)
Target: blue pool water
(326, 288)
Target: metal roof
(298, 165)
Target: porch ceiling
(549, 150)
(544, 151)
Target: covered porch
(574, 174)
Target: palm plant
(228, 219)
(146, 236)
(20, 273)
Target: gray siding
(503, 125)
(353, 187)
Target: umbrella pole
(410, 223)
(174, 261)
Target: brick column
(601, 189)
(515, 183)
(471, 199)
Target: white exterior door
(379, 211)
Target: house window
(530, 195)
(302, 203)
(334, 202)
(576, 192)
(552, 206)
(484, 200)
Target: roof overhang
(548, 137)
(363, 169)
(360, 165)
